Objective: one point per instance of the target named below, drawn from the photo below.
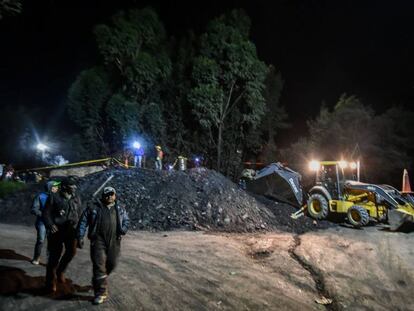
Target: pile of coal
(197, 199)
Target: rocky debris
(15, 208)
(197, 199)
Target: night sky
(322, 48)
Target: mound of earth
(198, 199)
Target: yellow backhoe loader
(337, 190)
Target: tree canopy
(195, 95)
(353, 131)
(209, 94)
(228, 81)
(10, 7)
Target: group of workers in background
(139, 156)
(180, 162)
(59, 218)
(137, 152)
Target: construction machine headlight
(353, 165)
(314, 165)
(343, 164)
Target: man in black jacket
(61, 216)
(107, 222)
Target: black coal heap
(198, 199)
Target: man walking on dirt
(61, 216)
(107, 222)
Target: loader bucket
(277, 182)
(398, 217)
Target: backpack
(43, 198)
(39, 204)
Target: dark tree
(353, 131)
(10, 7)
(228, 81)
(86, 101)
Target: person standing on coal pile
(138, 155)
(38, 205)
(107, 221)
(158, 157)
(61, 215)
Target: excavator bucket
(397, 218)
(278, 182)
(405, 214)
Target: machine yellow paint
(361, 202)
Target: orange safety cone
(406, 188)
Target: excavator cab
(331, 176)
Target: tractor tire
(318, 206)
(358, 216)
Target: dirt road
(365, 269)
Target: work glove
(80, 243)
(54, 229)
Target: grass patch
(8, 187)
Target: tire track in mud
(315, 273)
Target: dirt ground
(369, 269)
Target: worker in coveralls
(61, 215)
(158, 157)
(106, 221)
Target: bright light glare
(343, 164)
(353, 165)
(136, 145)
(197, 159)
(41, 147)
(314, 165)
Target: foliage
(182, 131)
(10, 7)
(194, 96)
(353, 131)
(122, 98)
(9, 187)
(134, 45)
(228, 80)
(86, 99)
(274, 120)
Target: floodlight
(314, 165)
(343, 164)
(41, 147)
